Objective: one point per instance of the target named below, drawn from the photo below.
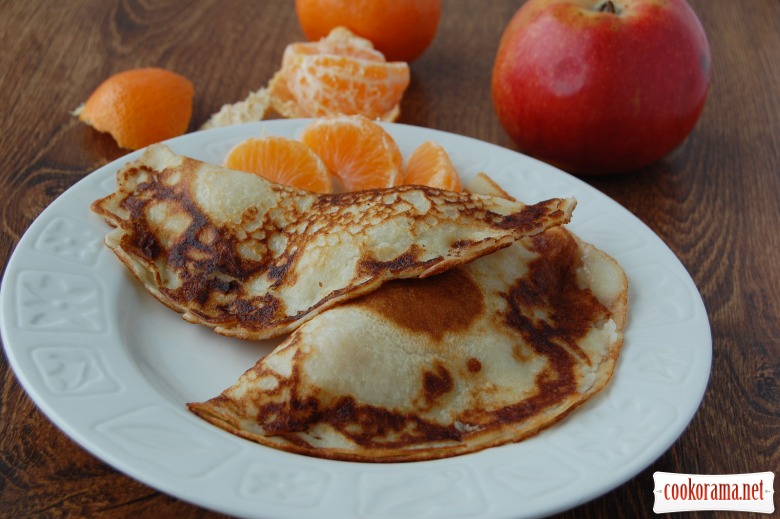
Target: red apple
(601, 86)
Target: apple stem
(607, 7)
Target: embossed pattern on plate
(113, 368)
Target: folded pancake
(484, 354)
(254, 259)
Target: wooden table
(714, 201)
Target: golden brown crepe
(255, 259)
(487, 353)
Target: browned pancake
(254, 259)
(482, 355)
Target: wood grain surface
(714, 201)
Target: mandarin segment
(430, 165)
(281, 160)
(140, 107)
(358, 151)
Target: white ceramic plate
(113, 368)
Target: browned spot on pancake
(407, 260)
(551, 286)
(282, 271)
(294, 412)
(373, 426)
(463, 244)
(529, 218)
(437, 383)
(257, 309)
(519, 354)
(448, 301)
(572, 310)
(294, 415)
(474, 365)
